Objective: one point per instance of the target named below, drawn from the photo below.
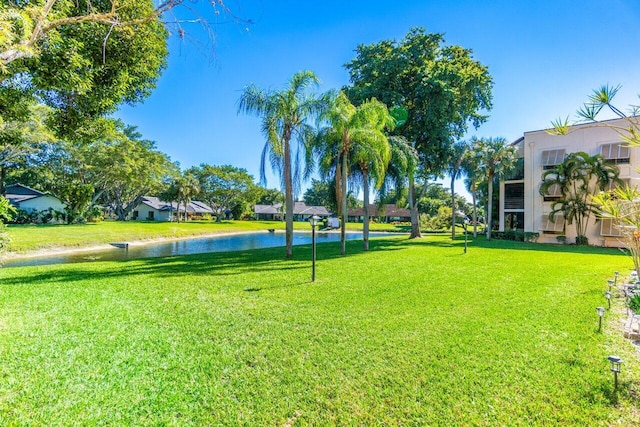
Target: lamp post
(465, 224)
(313, 221)
(610, 282)
(607, 295)
(615, 368)
(600, 314)
(615, 276)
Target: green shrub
(634, 303)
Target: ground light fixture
(615, 277)
(615, 368)
(601, 311)
(610, 282)
(607, 295)
(313, 221)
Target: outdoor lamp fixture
(615, 276)
(610, 282)
(313, 221)
(465, 225)
(607, 295)
(615, 368)
(601, 311)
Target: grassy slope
(412, 332)
(33, 237)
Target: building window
(135, 214)
(514, 220)
(552, 158)
(608, 228)
(617, 152)
(514, 196)
(552, 227)
(151, 216)
(553, 193)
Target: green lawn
(411, 333)
(33, 237)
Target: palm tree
(354, 135)
(285, 114)
(579, 177)
(188, 187)
(497, 158)
(471, 169)
(454, 169)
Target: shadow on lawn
(206, 264)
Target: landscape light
(615, 276)
(610, 282)
(601, 311)
(615, 368)
(607, 295)
(313, 221)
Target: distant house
(386, 213)
(153, 209)
(30, 200)
(301, 212)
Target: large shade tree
(354, 136)
(286, 116)
(443, 88)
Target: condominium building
(523, 207)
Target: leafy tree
(320, 193)
(454, 169)
(269, 196)
(497, 159)
(187, 187)
(83, 69)
(579, 177)
(355, 135)
(285, 115)
(225, 187)
(441, 86)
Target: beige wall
(588, 138)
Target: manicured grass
(412, 333)
(54, 236)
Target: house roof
(299, 208)
(18, 193)
(193, 206)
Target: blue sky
(545, 58)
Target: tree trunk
(343, 229)
(413, 207)
(453, 208)
(288, 195)
(3, 181)
(489, 206)
(365, 219)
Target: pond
(222, 243)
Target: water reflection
(223, 243)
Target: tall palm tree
(497, 158)
(457, 155)
(285, 114)
(579, 178)
(471, 169)
(353, 135)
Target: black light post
(465, 225)
(607, 295)
(600, 314)
(615, 368)
(610, 282)
(313, 221)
